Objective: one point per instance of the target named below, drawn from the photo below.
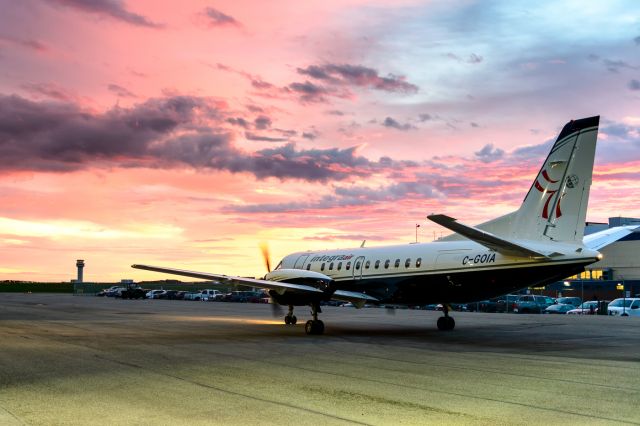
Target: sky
(184, 134)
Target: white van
(211, 295)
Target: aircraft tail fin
(556, 205)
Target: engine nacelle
(299, 276)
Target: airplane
(540, 243)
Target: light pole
(417, 226)
(624, 297)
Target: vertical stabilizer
(556, 205)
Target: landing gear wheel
(446, 323)
(314, 327)
(290, 319)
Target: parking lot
(91, 360)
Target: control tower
(80, 266)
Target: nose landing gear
(314, 326)
(290, 319)
(446, 323)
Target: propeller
(264, 248)
(276, 309)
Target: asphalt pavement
(81, 360)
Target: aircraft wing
(358, 299)
(601, 239)
(487, 239)
(250, 282)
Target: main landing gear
(314, 326)
(446, 323)
(290, 319)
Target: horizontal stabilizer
(599, 240)
(358, 299)
(249, 282)
(487, 239)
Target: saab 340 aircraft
(540, 243)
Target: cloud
(311, 135)
(489, 154)
(238, 121)
(30, 44)
(262, 122)
(254, 137)
(424, 117)
(390, 122)
(637, 40)
(615, 66)
(309, 92)
(48, 90)
(634, 84)
(471, 59)
(215, 18)
(177, 131)
(120, 91)
(359, 76)
(109, 8)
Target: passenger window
(322, 267)
(386, 264)
(397, 264)
(407, 263)
(358, 266)
(367, 264)
(331, 266)
(308, 266)
(348, 265)
(377, 265)
(418, 262)
(339, 266)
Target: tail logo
(549, 193)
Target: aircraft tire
(293, 320)
(314, 327)
(446, 323)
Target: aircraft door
(300, 262)
(358, 266)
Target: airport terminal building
(616, 275)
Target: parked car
(530, 304)
(243, 296)
(506, 303)
(106, 291)
(559, 308)
(575, 301)
(483, 306)
(211, 295)
(155, 294)
(586, 308)
(629, 307)
(169, 295)
(192, 295)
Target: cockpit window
(279, 266)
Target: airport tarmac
(89, 360)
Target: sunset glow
(184, 134)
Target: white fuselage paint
(424, 259)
